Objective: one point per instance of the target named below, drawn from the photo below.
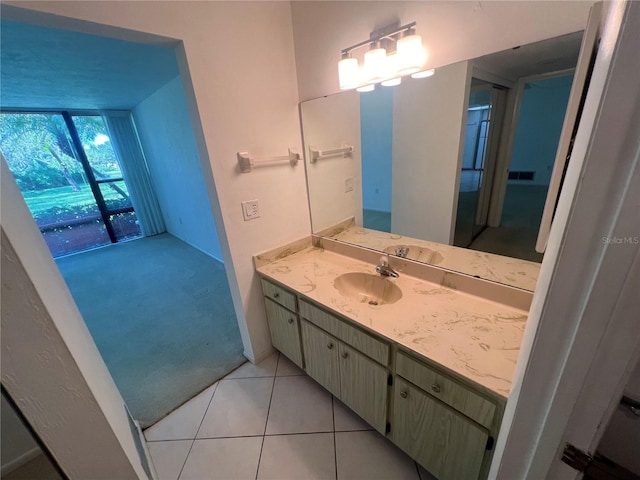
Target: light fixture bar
(377, 35)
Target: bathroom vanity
(426, 358)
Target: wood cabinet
(322, 360)
(359, 382)
(449, 391)
(364, 387)
(445, 422)
(284, 326)
(445, 442)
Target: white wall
(452, 31)
(540, 119)
(376, 125)
(428, 139)
(51, 367)
(17, 445)
(242, 97)
(329, 123)
(167, 138)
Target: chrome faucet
(385, 269)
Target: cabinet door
(321, 354)
(447, 444)
(363, 387)
(285, 331)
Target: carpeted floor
(518, 231)
(161, 315)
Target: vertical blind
(136, 175)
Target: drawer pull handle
(435, 387)
(291, 320)
(276, 295)
(404, 394)
(345, 354)
(329, 346)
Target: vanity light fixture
(348, 72)
(394, 51)
(424, 73)
(366, 88)
(391, 82)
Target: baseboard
(208, 254)
(147, 453)
(20, 461)
(249, 357)
(258, 359)
(141, 447)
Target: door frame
(505, 155)
(582, 335)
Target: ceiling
(49, 68)
(552, 55)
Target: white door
(571, 119)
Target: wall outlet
(250, 210)
(348, 184)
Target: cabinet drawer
(284, 327)
(279, 294)
(449, 391)
(367, 344)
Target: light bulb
(411, 54)
(392, 82)
(424, 73)
(375, 63)
(348, 73)
(366, 88)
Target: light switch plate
(348, 184)
(250, 210)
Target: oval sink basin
(367, 288)
(415, 252)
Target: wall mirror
(450, 170)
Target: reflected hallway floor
(272, 421)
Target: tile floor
(271, 421)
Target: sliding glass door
(69, 175)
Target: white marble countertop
(498, 268)
(473, 337)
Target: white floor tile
(223, 459)
(369, 455)
(345, 420)
(183, 422)
(299, 405)
(266, 368)
(287, 368)
(168, 457)
(298, 457)
(239, 408)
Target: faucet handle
(384, 260)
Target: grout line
(273, 386)
(215, 389)
(361, 430)
(169, 440)
(267, 435)
(207, 409)
(335, 447)
(245, 378)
